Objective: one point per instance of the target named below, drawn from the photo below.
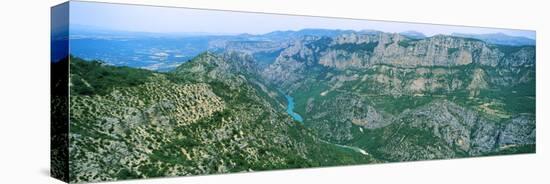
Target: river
(357, 149)
(290, 109)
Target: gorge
(295, 99)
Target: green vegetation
(139, 124)
(396, 105)
(90, 78)
(507, 50)
(321, 44)
(265, 58)
(352, 47)
(406, 43)
(451, 51)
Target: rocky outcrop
(460, 131)
(478, 82)
(519, 131)
(290, 64)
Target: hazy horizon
(153, 19)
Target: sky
(182, 20)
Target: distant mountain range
(83, 31)
(413, 34)
(164, 51)
(499, 38)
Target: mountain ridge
(172, 124)
(499, 39)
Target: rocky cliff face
(437, 130)
(361, 51)
(408, 98)
(467, 131)
(439, 50)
